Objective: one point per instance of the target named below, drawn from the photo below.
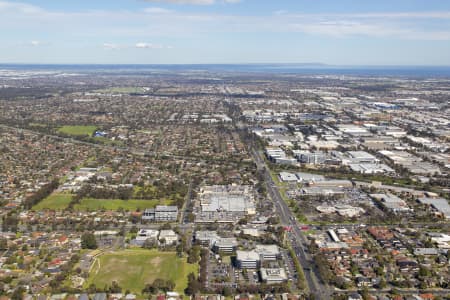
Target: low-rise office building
(273, 275)
(268, 252)
(225, 245)
(168, 237)
(247, 259)
(161, 213)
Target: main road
(297, 239)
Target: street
(296, 238)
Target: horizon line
(225, 64)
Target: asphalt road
(296, 238)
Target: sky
(336, 32)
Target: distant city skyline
(401, 32)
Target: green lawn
(78, 130)
(60, 201)
(90, 204)
(133, 268)
(56, 201)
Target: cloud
(157, 10)
(152, 23)
(142, 45)
(343, 28)
(35, 43)
(405, 15)
(111, 46)
(24, 8)
(139, 45)
(376, 15)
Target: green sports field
(56, 201)
(132, 269)
(60, 201)
(90, 204)
(78, 130)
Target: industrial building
(278, 156)
(392, 202)
(300, 177)
(370, 168)
(161, 213)
(308, 157)
(440, 204)
(225, 203)
(361, 157)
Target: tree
(273, 220)
(193, 286)
(149, 289)
(170, 285)
(134, 229)
(227, 291)
(424, 272)
(365, 294)
(115, 288)
(165, 226)
(243, 221)
(92, 288)
(179, 250)
(159, 285)
(88, 241)
(194, 254)
(150, 244)
(3, 244)
(191, 217)
(10, 222)
(382, 283)
(41, 194)
(18, 293)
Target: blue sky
(339, 32)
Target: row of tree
(89, 191)
(159, 285)
(88, 241)
(41, 194)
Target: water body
(300, 69)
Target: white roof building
(361, 156)
(370, 168)
(145, 234)
(247, 259)
(268, 252)
(169, 236)
(273, 275)
(392, 202)
(288, 177)
(439, 204)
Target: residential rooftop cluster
(212, 185)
